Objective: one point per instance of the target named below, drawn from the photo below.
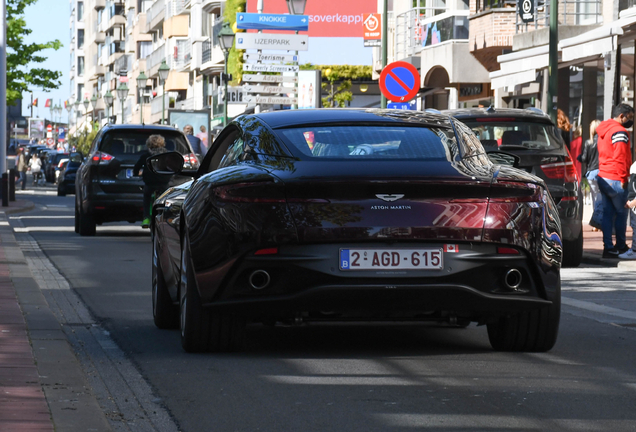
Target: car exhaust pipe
(513, 279)
(259, 279)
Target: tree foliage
(337, 82)
(235, 58)
(82, 139)
(21, 77)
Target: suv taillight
(561, 170)
(101, 158)
(190, 160)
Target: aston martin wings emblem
(389, 197)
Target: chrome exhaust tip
(259, 279)
(513, 279)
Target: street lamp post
(94, 105)
(108, 98)
(296, 7)
(77, 112)
(122, 94)
(86, 104)
(164, 70)
(142, 79)
(226, 40)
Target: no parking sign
(399, 81)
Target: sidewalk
(593, 245)
(23, 406)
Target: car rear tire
(61, 193)
(164, 312)
(533, 331)
(202, 330)
(77, 216)
(573, 251)
(87, 225)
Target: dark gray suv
(106, 189)
(531, 135)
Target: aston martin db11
(354, 215)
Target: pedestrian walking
(203, 136)
(563, 123)
(35, 165)
(195, 142)
(589, 157)
(22, 168)
(614, 160)
(154, 184)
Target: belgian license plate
(129, 173)
(391, 259)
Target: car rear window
(511, 134)
(371, 142)
(129, 144)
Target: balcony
(153, 61)
(116, 21)
(123, 64)
(100, 37)
(177, 7)
(182, 54)
(99, 4)
(495, 26)
(212, 58)
(155, 15)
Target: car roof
(533, 114)
(287, 118)
(150, 127)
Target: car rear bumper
(471, 283)
(115, 207)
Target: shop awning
(519, 67)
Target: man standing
(614, 160)
(195, 142)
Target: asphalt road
(355, 377)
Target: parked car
(68, 171)
(531, 135)
(106, 189)
(51, 165)
(354, 215)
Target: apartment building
(115, 41)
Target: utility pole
(553, 64)
(3, 86)
(385, 50)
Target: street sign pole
(3, 86)
(553, 61)
(385, 50)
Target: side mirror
(166, 163)
(503, 158)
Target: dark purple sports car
(355, 215)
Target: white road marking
(594, 307)
(40, 217)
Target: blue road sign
(399, 81)
(257, 21)
(401, 105)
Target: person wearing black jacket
(589, 156)
(153, 183)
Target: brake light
(190, 159)
(268, 251)
(260, 192)
(507, 191)
(561, 170)
(101, 158)
(60, 164)
(507, 251)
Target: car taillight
(101, 158)
(190, 159)
(561, 170)
(507, 251)
(268, 251)
(60, 164)
(507, 191)
(258, 192)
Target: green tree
(83, 139)
(337, 81)
(21, 76)
(235, 58)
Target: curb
(19, 206)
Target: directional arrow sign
(268, 89)
(269, 78)
(271, 100)
(281, 58)
(263, 41)
(250, 67)
(272, 21)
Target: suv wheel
(77, 216)
(87, 226)
(573, 251)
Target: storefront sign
(526, 10)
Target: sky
(49, 20)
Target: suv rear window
(515, 134)
(371, 142)
(127, 145)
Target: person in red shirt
(614, 161)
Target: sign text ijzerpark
(327, 18)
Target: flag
(35, 102)
(65, 104)
(451, 248)
(47, 104)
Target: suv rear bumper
(115, 207)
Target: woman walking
(21, 166)
(589, 157)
